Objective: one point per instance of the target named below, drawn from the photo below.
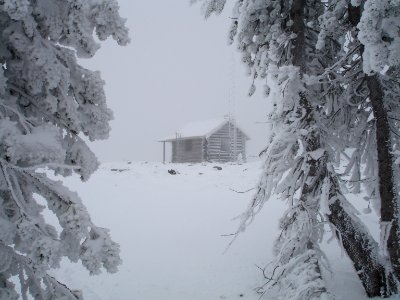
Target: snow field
(171, 230)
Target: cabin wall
(221, 147)
(188, 150)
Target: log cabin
(218, 140)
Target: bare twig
(242, 192)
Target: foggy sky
(178, 68)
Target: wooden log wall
(221, 145)
(181, 153)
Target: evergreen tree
(277, 40)
(379, 35)
(48, 102)
(322, 91)
(368, 102)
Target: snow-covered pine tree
(277, 40)
(47, 103)
(379, 34)
(313, 135)
(367, 107)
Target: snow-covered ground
(174, 231)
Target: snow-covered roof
(198, 129)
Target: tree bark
(298, 27)
(312, 143)
(387, 187)
(360, 247)
(386, 176)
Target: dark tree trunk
(360, 247)
(297, 15)
(298, 27)
(387, 190)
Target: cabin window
(226, 145)
(188, 145)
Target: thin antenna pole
(232, 107)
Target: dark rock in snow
(172, 172)
(218, 168)
(119, 170)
